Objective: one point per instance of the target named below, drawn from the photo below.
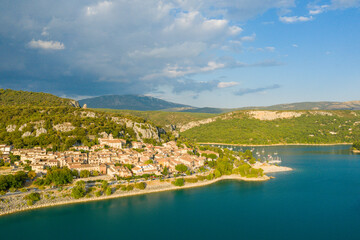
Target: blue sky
(202, 53)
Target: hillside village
(111, 157)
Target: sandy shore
(268, 168)
(153, 187)
(277, 144)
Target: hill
(131, 102)
(10, 97)
(162, 118)
(62, 127)
(353, 105)
(277, 127)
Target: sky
(204, 53)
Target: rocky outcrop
(189, 125)
(272, 115)
(40, 131)
(11, 128)
(26, 134)
(142, 130)
(64, 127)
(74, 103)
(22, 127)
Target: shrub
(201, 178)
(129, 187)
(181, 168)
(108, 191)
(140, 185)
(78, 192)
(191, 180)
(98, 193)
(33, 196)
(179, 182)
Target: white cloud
(235, 30)
(250, 38)
(265, 49)
(98, 8)
(47, 45)
(45, 32)
(227, 84)
(295, 19)
(135, 42)
(295, 45)
(317, 9)
(212, 65)
(270, 49)
(342, 4)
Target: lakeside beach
(152, 187)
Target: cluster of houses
(110, 156)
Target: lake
(320, 199)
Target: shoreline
(151, 189)
(278, 144)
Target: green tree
(79, 190)
(85, 173)
(179, 182)
(165, 172)
(140, 185)
(181, 168)
(108, 191)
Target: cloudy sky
(228, 53)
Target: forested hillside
(10, 97)
(279, 127)
(62, 127)
(162, 118)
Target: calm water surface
(319, 200)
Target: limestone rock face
(271, 115)
(142, 130)
(26, 134)
(85, 106)
(74, 103)
(64, 127)
(40, 131)
(88, 114)
(193, 124)
(11, 128)
(22, 127)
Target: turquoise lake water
(320, 199)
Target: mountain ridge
(130, 102)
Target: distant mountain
(132, 102)
(10, 97)
(353, 105)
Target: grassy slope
(10, 97)
(244, 130)
(161, 118)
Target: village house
(114, 143)
(120, 171)
(5, 149)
